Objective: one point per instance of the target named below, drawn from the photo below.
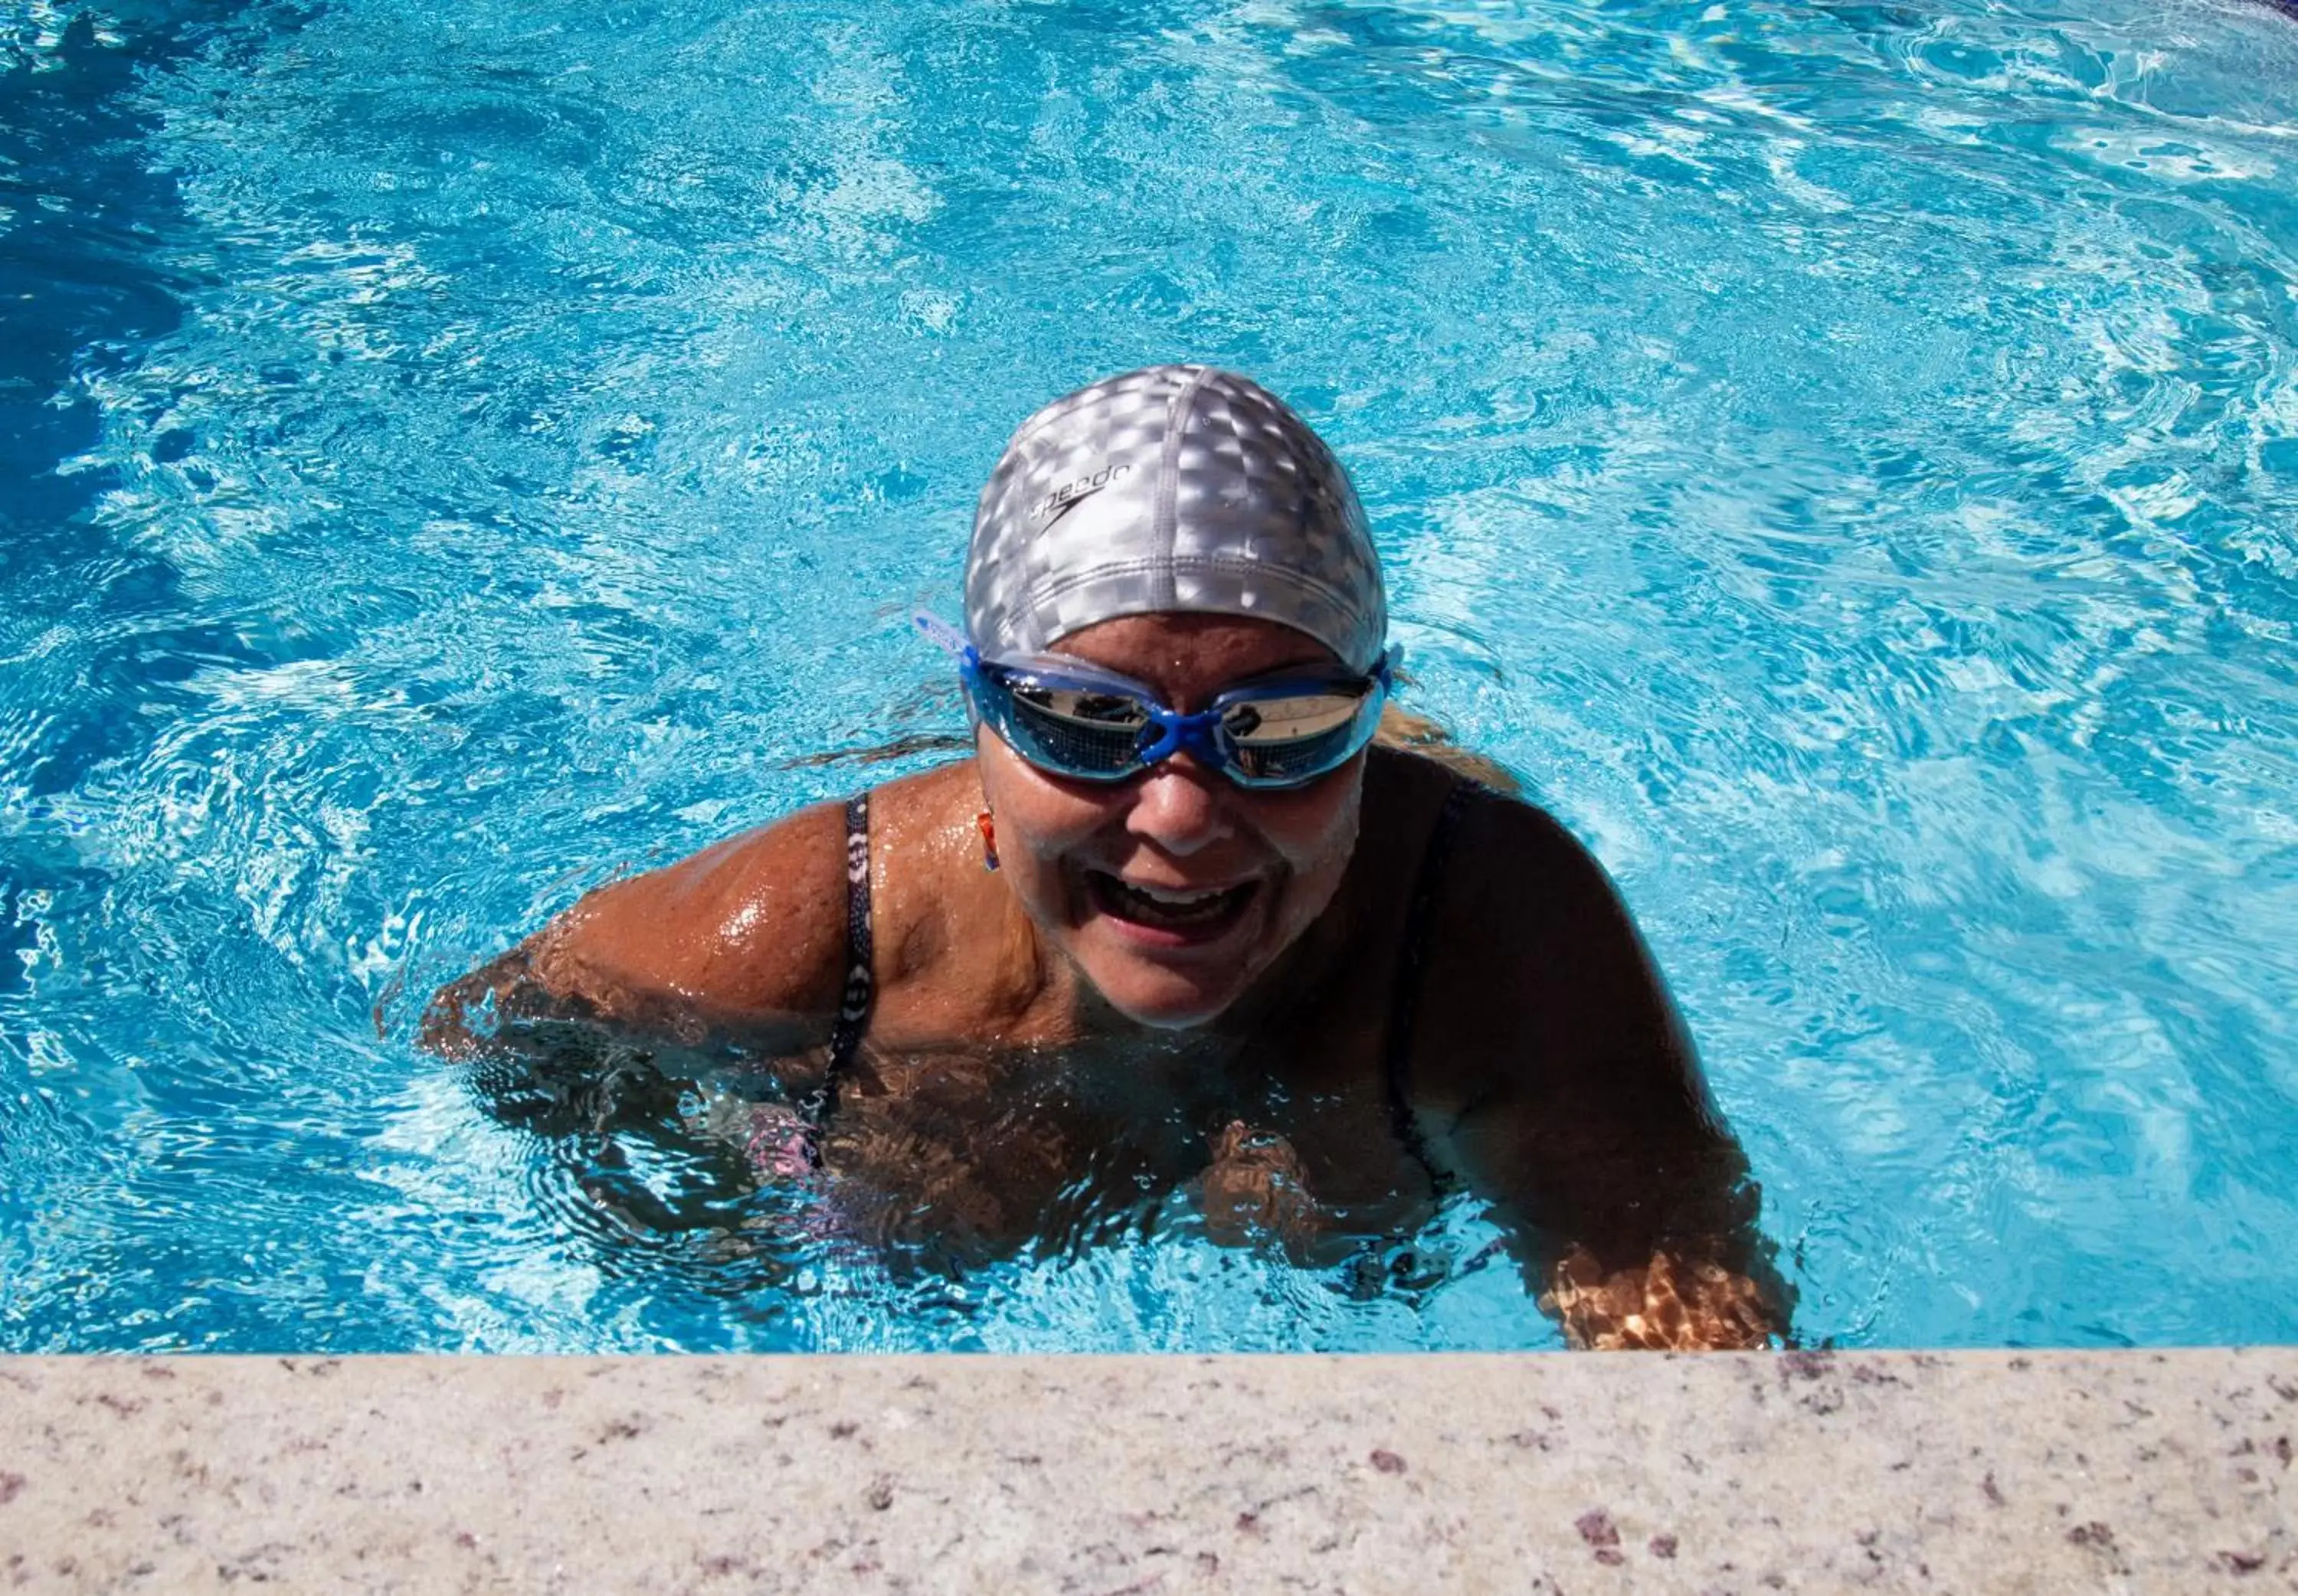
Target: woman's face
(1174, 891)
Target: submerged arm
(1553, 1072)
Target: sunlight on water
(1845, 456)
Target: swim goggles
(1076, 720)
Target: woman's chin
(1172, 1016)
(1172, 976)
(1162, 996)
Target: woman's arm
(1553, 1073)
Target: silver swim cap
(1172, 488)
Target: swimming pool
(1845, 456)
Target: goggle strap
(946, 638)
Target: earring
(987, 824)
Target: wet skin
(1176, 983)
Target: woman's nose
(1178, 806)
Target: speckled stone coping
(1972, 1472)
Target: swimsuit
(787, 1145)
(860, 993)
(861, 990)
(1404, 1000)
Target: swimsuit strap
(861, 988)
(1405, 1003)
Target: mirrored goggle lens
(1297, 736)
(1071, 729)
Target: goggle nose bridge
(1197, 734)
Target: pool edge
(2036, 1471)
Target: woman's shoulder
(749, 932)
(764, 915)
(752, 923)
(1504, 897)
(1453, 804)
(756, 922)
(1493, 858)
(1525, 947)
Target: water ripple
(1844, 455)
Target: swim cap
(1172, 488)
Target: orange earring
(987, 824)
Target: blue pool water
(1845, 455)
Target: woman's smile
(1161, 916)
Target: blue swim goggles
(1074, 720)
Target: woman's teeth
(1171, 910)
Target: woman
(1180, 926)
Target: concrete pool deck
(1965, 1472)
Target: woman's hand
(1255, 1188)
(1669, 1304)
